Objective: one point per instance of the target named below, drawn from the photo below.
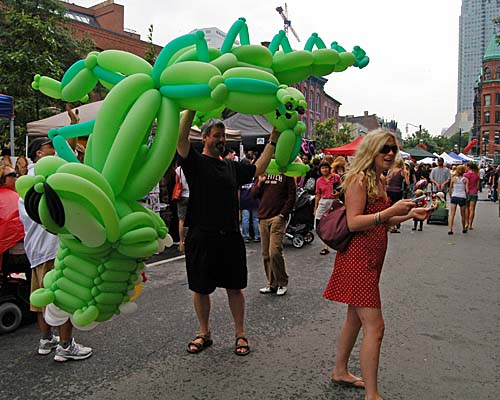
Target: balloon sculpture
(104, 233)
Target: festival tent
(426, 160)
(254, 129)
(448, 159)
(404, 154)
(7, 111)
(87, 112)
(465, 157)
(418, 153)
(346, 150)
(456, 157)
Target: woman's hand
(402, 207)
(420, 213)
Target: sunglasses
(386, 149)
(12, 175)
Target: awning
(448, 159)
(457, 157)
(418, 153)
(346, 150)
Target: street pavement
(441, 303)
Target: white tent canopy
(466, 157)
(448, 159)
(427, 160)
(86, 113)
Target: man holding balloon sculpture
(41, 247)
(215, 251)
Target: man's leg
(277, 233)
(236, 301)
(264, 227)
(202, 308)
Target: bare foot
(348, 379)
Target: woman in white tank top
(459, 190)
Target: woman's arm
(406, 176)
(466, 185)
(355, 201)
(451, 185)
(316, 202)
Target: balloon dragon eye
(289, 106)
(54, 204)
(300, 110)
(31, 203)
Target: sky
(412, 45)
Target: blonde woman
(356, 272)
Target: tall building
(214, 37)
(487, 121)
(475, 30)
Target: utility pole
(459, 140)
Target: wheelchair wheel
(10, 317)
(298, 241)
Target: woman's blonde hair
(363, 164)
(460, 170)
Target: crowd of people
(224, 202)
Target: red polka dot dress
(356, 272)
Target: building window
(498, 73)
(497, 117)
(311, 125)
(497, 137)
(311, 100)
(304, 92)
(487, 100)
(487, 117)
(497, 97)
(318, 108)
(487, 74)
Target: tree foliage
(328, 134)
(34, 39)
(436, 144)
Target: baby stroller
(440, 213)
(301, 222)
(15, 285)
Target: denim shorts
(460, 201)
(472, 197)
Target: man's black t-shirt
(213, 191)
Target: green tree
(34, 39)
(150, 54)
(328, 134)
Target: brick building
(487, 104)
(320, 105)
(104, 24)
(362, 124)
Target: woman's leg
(373, 332)
(472, 213)
(346, 340)
(453, 210)
(463, 215)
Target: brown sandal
(244, 347)
(206, 342)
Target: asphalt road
(441, 303)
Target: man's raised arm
(264, 159)
(184, 128)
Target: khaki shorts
(37, 275)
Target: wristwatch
(271, 143)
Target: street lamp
(419, 130)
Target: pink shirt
(473, 179)
(325, 187)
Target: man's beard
(220, 147)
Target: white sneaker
(281, 290)
(47, 345)
(74, 351)
(267, 290)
